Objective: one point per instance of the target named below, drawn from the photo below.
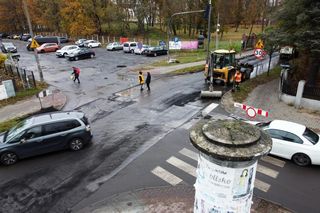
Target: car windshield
(66, 48)
(18, 128)
(311, 136)
(8, 44)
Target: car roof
(54, 116)
(287, 126)
(222, 51)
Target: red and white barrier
(251, 111)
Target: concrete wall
(305, 102)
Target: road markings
(273, 161)
(166, 176)
(262, 186)
(191, 154)
(209, 108)
(267, 171)
(191, 170)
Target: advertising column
(227, 163)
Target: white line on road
(262, 186)
(208, 109)
(267, 171)
(273, 161)
(182, 165)
(191, 154)
(166, 176)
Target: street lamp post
(25, 7)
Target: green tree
(299, 25)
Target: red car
(48, 47)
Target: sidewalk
(171, 68)
(266, 97)
(32, 105)
(177, 199)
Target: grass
(248, 86)
(22, 95)
(6, 125)
(187, 70)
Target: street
(136, 135)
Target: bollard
(229, 151)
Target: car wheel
(76, 144)
(64, 54)
(132, 51)
(8, 158)
(90, 46)
(76, 58)
(113, 49)
(91, 56)
(155, 54)
(301, 159)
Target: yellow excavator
(221, 67)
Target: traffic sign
(259, 44)
(34, 44)
(259, 53)
(162, 43)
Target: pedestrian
(148, 80)
(237, 78)
(76, 73)
(141, 80)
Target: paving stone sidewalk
(177, 199)
(266, 97)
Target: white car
(141, 51)
(92, 43)
(128, 47)
(114, 46)
(293, 141)
(66, 50)
(80, 42)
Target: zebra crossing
(187, 168)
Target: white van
(128, 47)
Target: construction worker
(141, 80)
(237, 78)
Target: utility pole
(217, 33)
(25, 7)
(209, 32)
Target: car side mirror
(23, 140)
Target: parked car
(45, 133)
(3, 35)
(128, 47)
(16, 36)
(36, 36)
(48, 47)
(81, 54)
(80, 42)
(25, 37)
(114, 46)
(155, 51)
(64, 39)
(66, 50)
(43, 40)
(8, 47)
(92, 43)
(293, 141)
(141, 51)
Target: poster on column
(223, 189)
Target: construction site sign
(34, 44)
(259, 44)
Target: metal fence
(311, 92)
(289, 88)
(22, 78)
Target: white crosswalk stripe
(262, 186)
(176, 162)
(273, 161)
(166, 176)
(267, 171)
(191, 154)
(191, 170)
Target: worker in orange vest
(237, 78)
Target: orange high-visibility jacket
(238, 76)
(141, 79)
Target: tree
(270, 44)
(299, 25)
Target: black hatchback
(45, 133)
(83, 53)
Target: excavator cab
(221, 66)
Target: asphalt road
(125, 122)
